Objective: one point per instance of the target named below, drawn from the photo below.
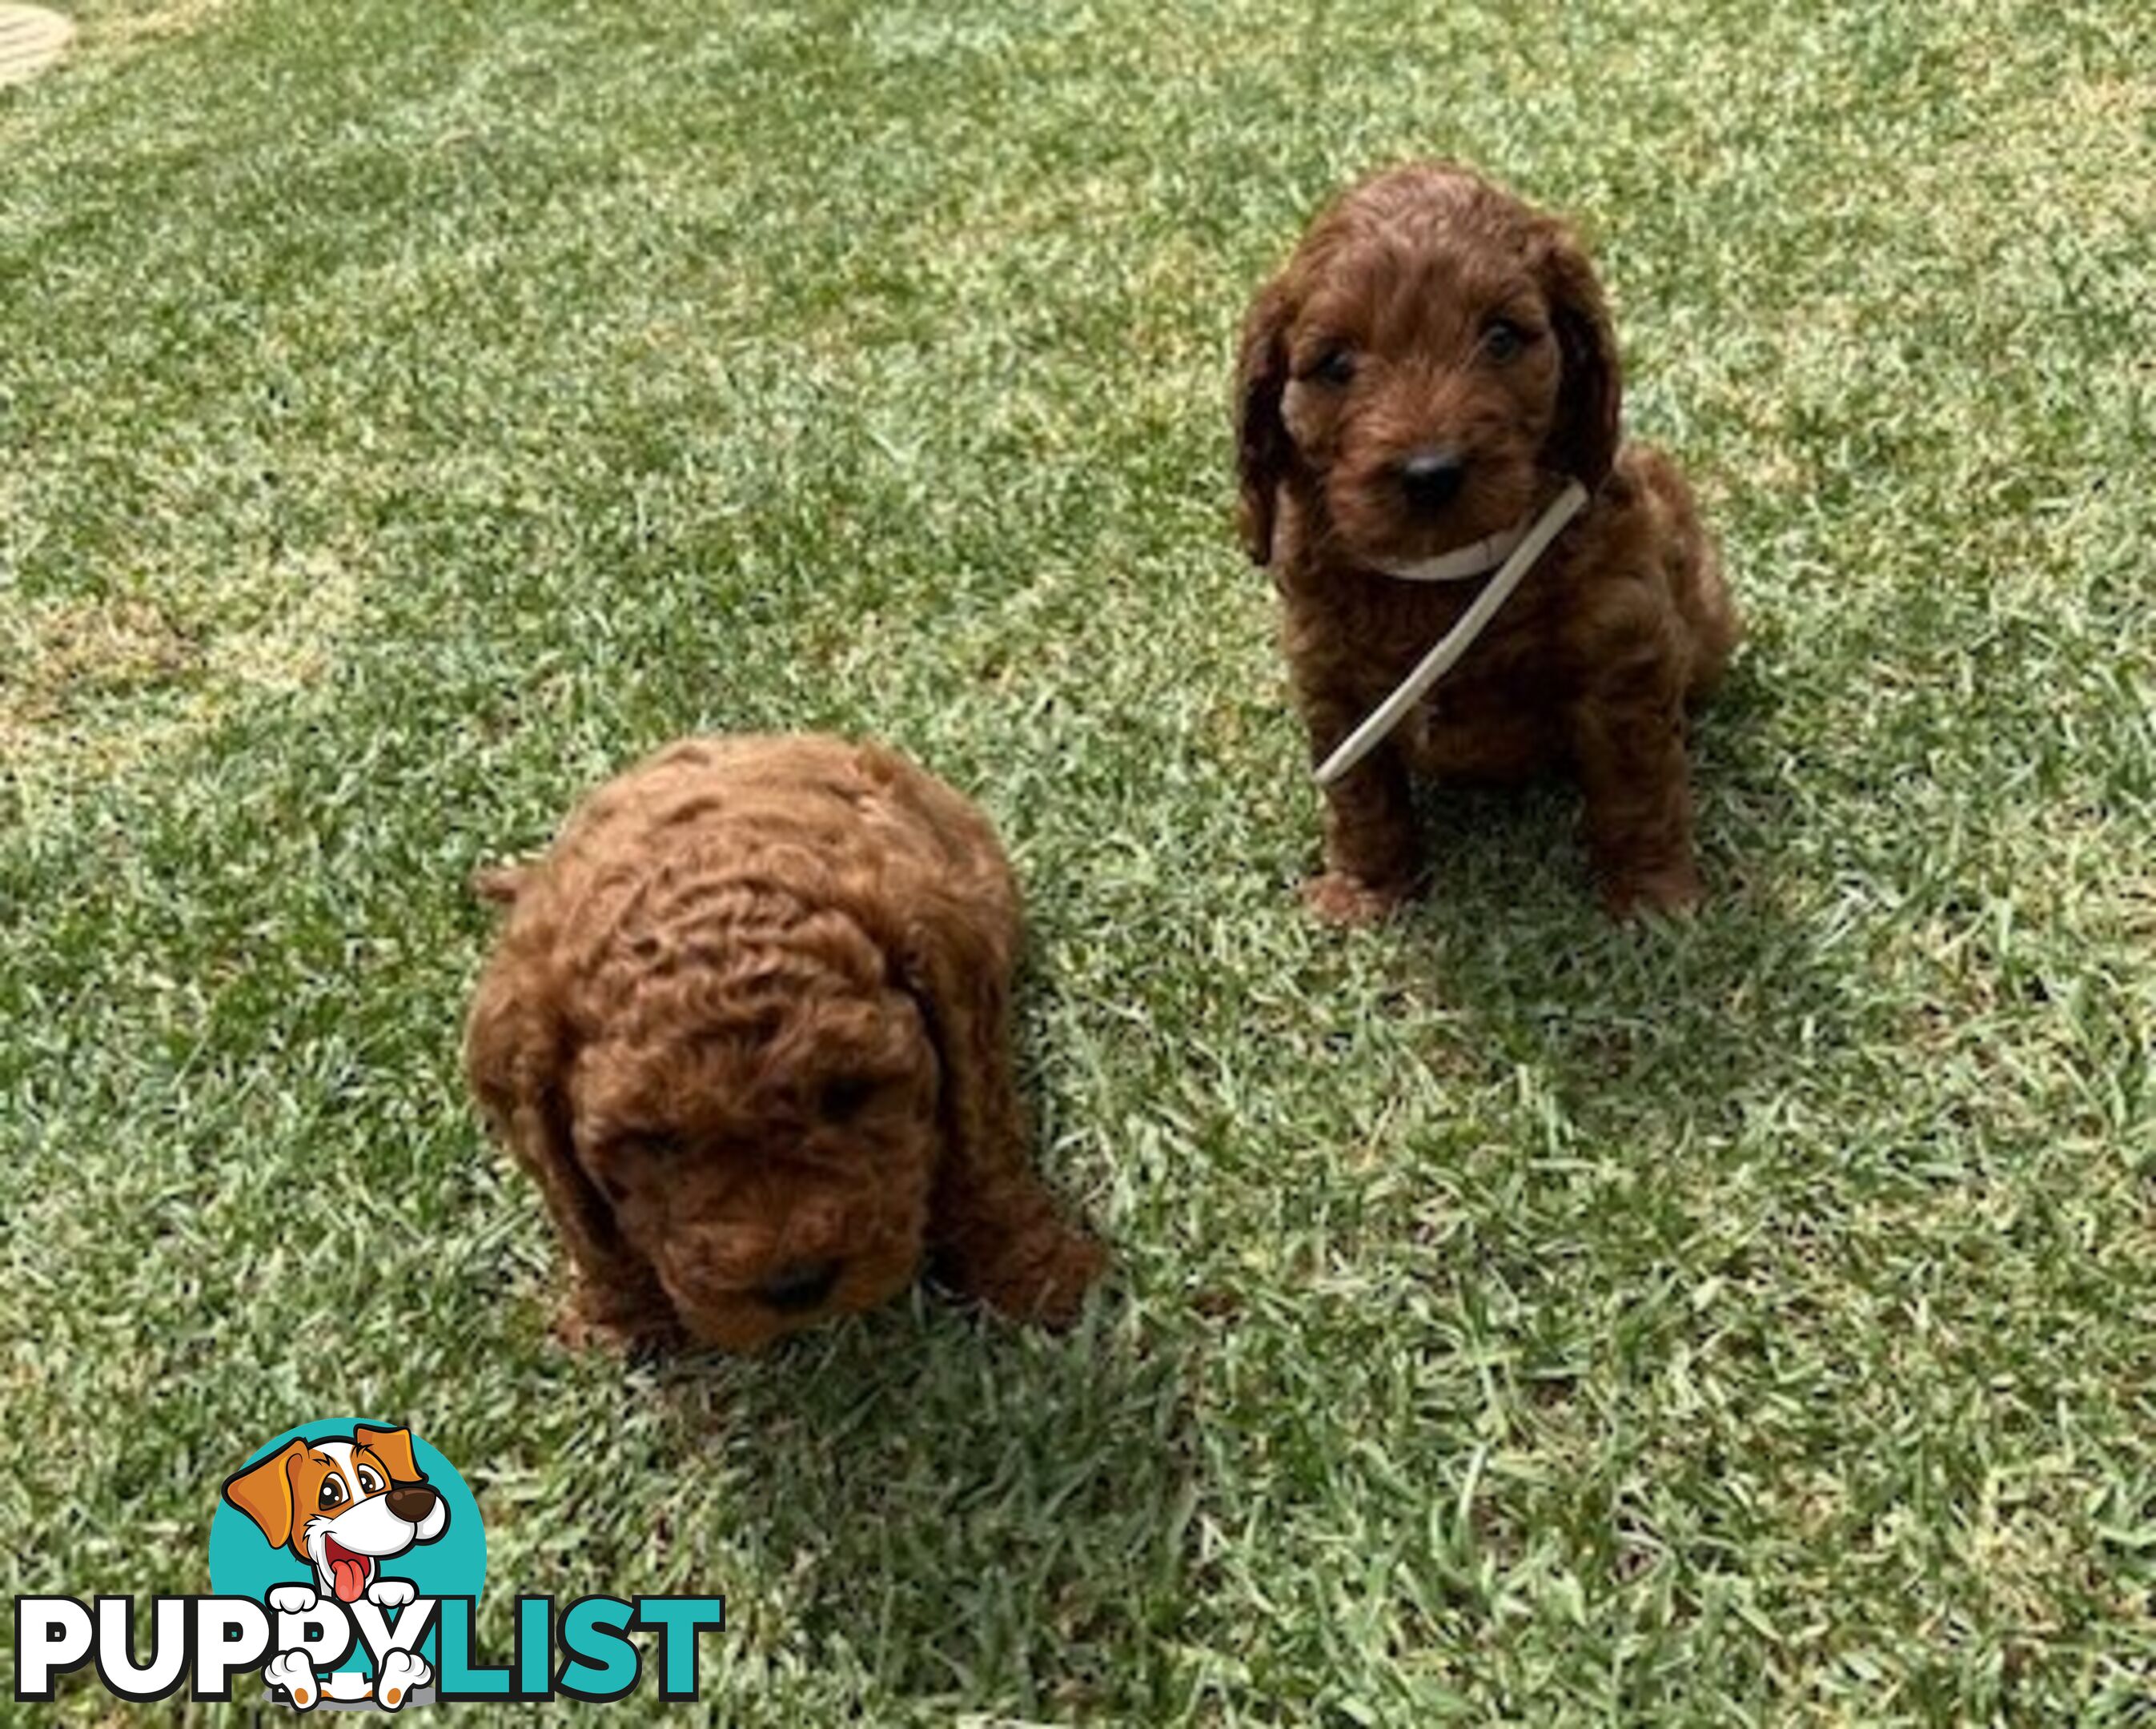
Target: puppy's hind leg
(1692, 566)
(1628, 740)
(1704, 603)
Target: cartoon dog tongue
(347, 1572)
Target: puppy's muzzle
(798, 1287)
(1431, 479)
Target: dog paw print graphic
(349, 1535)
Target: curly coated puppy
(1432, 366)
(748, 1023)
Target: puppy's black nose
(411, 1501)
(1431, 479)
(799, 1286)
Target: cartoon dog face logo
(344, 1507)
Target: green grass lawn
(409, 412)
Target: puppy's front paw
(291, 1671)
(292, 1600)
(1038, 1272)
(392, 1594)
(597, 1319)
(401, 1672)
(1053, 1287)
(1674, 891)
(1347, 901)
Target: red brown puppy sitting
(748, 1023)
(1415, 390)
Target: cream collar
(1516, 557)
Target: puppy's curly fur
(1432, 362)
(748, 1023)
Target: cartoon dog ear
(393, 1448)
(263, 1492)
(1583, 442)
(1263, 448)
(517, 1052)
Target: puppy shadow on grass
(1729, 1000)
(948, 1502)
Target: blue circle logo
(337, 1527)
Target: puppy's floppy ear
(263, 1492)
(1263, 448)
(995, 1231)
(1583, 442)
(518, 1052)
(393, 1448)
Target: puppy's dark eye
(1335, 367)
(840, 1099)
(332, 1493)
(1502, 339)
